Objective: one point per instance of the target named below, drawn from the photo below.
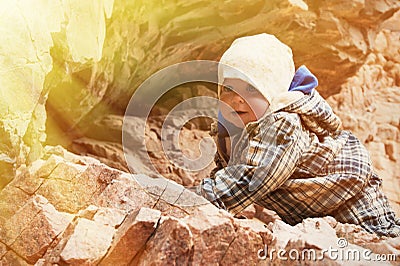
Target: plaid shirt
(297, 163)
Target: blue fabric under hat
(303, 80)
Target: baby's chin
(240, 120)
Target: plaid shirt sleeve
(269, 161)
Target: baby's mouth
(239, 112)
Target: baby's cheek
(226, 112)
(224, 108)
(232, 118)
(258, 106)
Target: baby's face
(243, 103)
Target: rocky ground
(70, 209)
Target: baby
(280, 146)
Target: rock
(11, 258)
(31, 179)
(3, 249)
(33, 227)
(170, 192)
(317, 232)
(26, 181)
(7, 170)
(109, 216)
(24, 94)
(71, 190)
(52, 255)
(385, 250)
(331, 221)
(355, 234)
(26, 116)
(316, 240)
(87, 245)
(249, 212)
(109, 153)
(88, 213)
(170, 210)
(124, 193)
(11, 199)
(250, 237)
(171, 244)
(284, 232)
(171, 159)
(360, 102)
(394, 242)
(390, 151)
(133, 231)
(213, 232)
(132, 236)
(265, 215)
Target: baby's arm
(270, 161)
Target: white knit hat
(262, 61)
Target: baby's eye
(251, 89)
(226, 88)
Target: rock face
(69, 85)
(68, 74)
(121, 223)
(132, 236)
(27, 63)
(352, 47)
(333, 39)
(366, 105)
(30, 231)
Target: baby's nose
(236, 98)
